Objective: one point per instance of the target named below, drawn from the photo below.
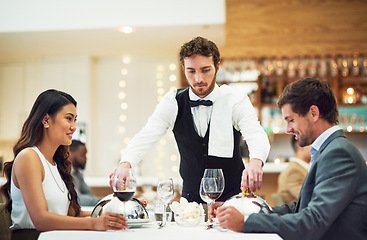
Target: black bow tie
(200, 102)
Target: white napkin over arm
(221, 128)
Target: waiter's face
(300, 126)
(200, 73)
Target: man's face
(300, 126)
(80, 157)
(200, 73)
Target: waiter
(208, 123)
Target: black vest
(194, 155)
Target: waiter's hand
(252, 176)
(122, 170)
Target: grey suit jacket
(333, 200)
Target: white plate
(135, 223)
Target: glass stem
(164, 219)
(124, 212)
(213, 223)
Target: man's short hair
(302, 94)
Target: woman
(39, 187)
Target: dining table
(151, 230)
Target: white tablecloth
(151, 231)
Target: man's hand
(230, 218)
(252, 176)
(122, 170)
(109, 221)
(212, 211)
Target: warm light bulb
(172, 78)
(123, 106)
(355, 62)
(160, 91)
(123, 117)
(350, 100)
(345, 63)
(122, 83)
(172, 66)
(174, 169)
(124, 71)
(122, 129)
(349, 128)
(173, 158)
(126, 29)
(122, 95)
(126, 60)
(350, 91)
(276, 130)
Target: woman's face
(62, 125)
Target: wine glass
(124, 187)
(212, 185)
(165, 194)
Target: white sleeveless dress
(57, 200)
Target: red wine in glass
(124, 186)
(124, 196)
(213, 195)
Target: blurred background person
(78, 159)
(291, 179)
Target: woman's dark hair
(302, 94)
(201, 46)
(48, 102)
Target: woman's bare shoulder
(27, 166)
(27, 158)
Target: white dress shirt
(242, 115)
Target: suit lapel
(336, 134)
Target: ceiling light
(127, 29)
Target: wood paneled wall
(275, 28)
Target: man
(207, 135)
(78, 159)
(333, 200)
(291, 179)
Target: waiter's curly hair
(201, 46)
